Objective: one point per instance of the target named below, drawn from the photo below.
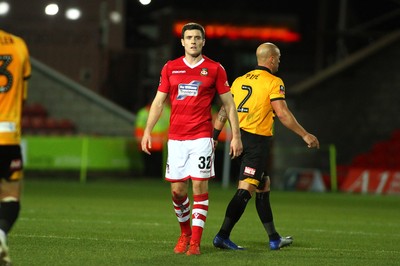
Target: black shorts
(11, 162)
(254, 158)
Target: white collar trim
(193, 66)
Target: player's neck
(192, 60)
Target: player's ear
(182, 42)
(272, 60)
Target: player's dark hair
(193, 26)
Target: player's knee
(179, 190)
(178, 194)
(266, 185)
(10, 190)
(243, 194)
(199, 187)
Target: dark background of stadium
(353, 109)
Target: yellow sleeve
(278, 90)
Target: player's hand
(146, 144)
(236, 148)
(311, 140)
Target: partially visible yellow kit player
(15, 69)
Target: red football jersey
(191, 90)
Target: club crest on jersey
(185, 90)
(204, 72)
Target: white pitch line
(394, 252)
(88, 238)
(350, 232)
(79, 221)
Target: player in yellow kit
(15, 69)
(259, 96)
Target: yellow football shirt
(253, 93)
(15, 69)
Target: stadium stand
(68, 101)
(36, 121)
(383, 154)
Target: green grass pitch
(123, 222)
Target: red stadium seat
(67, 127)
(38, 125)
(52, 126)
(361, 160)
(396, 135)
(36, 120)
(384, 154)
(35, 109)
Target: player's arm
(236, 147)
(219, 123)
(27, 70)
(288, 120)
(154, 114)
